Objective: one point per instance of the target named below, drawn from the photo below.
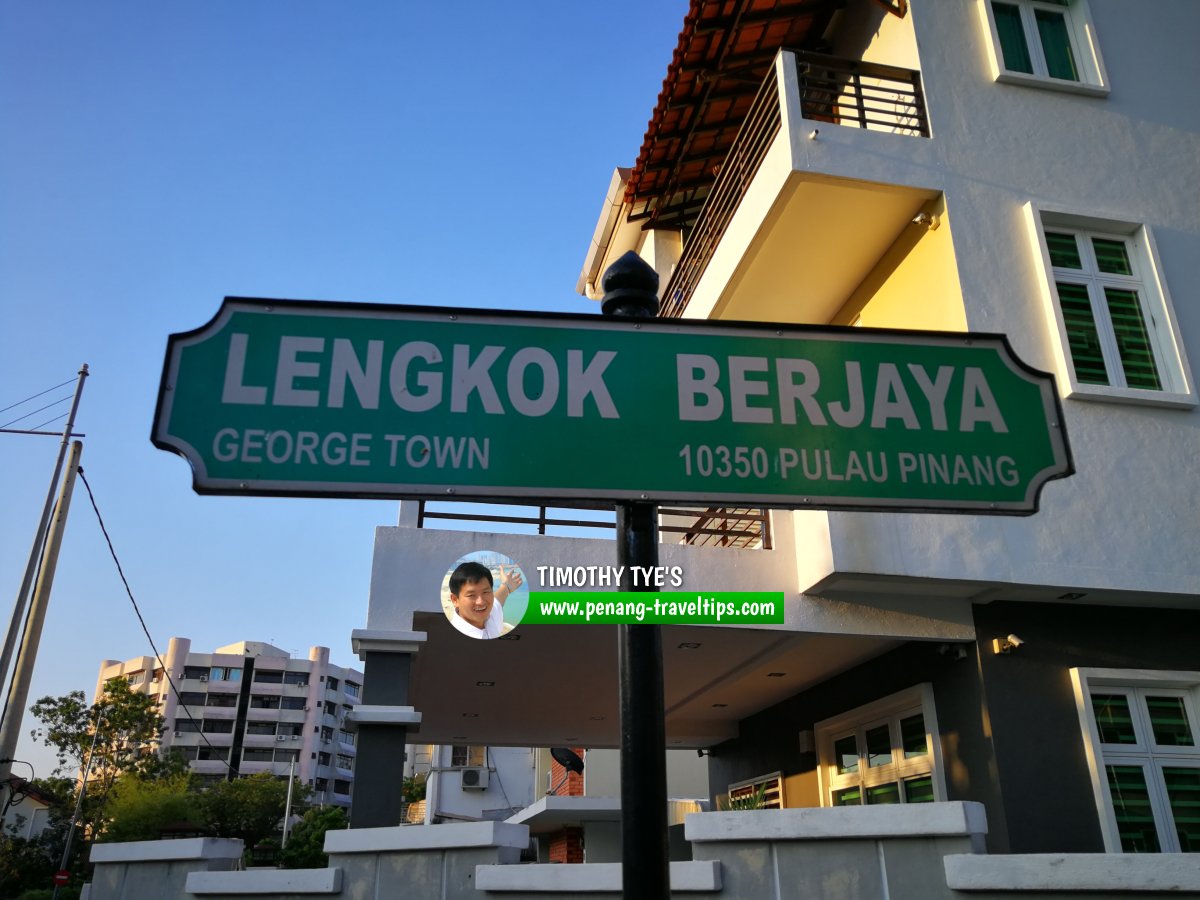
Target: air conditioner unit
(307, 708)
(475, 779)
(302, 684)
(281, 737)
(204, 678)
(294, 737)
(179, 734)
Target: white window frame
(890, 709)
(1178, 389)
(1093, 77)
(1151, 758)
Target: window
(884, 752)
(295, 678)
(1141, 735)
(344, 761)
(292, 703)
(187, 725)
(1118, 340)
(1044, 43)
(137, 678)
(251, 754)
(260, 728)
(213, 753)
(287, 756)
(331, 683)
(224, 673)
(347, 738)
(263, 677)
(261, 701)
(291, 729)
(218, 726)
(353, 689)
(462, 755)
(195, 672)
(225, 700)
(323, 759)
(341, 787)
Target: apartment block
(250, 707)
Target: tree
(27, 863)
(306, 845)
(139, 808)
(249, 808)
(125, 726)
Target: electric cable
(48, 421)
(38, 410)
(38, 394)
(129, 591)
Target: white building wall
(1132, 157)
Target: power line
(48, 421)
(142, 622)
(36, 411)
(38, 394)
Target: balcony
(828, 171)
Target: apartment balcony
(814, 205)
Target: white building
(1024, 167)
(250, 707)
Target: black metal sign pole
(630, 289)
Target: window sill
(1101, 394)
(1053, 84)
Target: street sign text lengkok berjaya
(286, 397)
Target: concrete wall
(853, 853)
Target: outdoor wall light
(689, 645)
(485, 684)
(812, 135)
(928, 220)
(1006, 644)
(776, 674)
(470, 715)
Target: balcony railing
(742, 528)
(842, 91)
(737, 171)
(861, 94)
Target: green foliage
(65, 893)
(412, 789)
(139, 808)
(248, 808)
(125, 724)
(306, 845)
(27, 863)
(755, 800)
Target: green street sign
(354, 400)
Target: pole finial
(630, 288)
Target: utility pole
(14, 627)
(18, 692)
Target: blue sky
(156, 157)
